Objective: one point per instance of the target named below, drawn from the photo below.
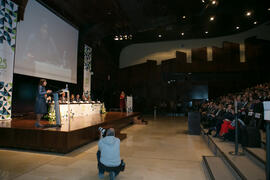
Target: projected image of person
(44, 47)
(41, 106)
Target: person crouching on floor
(108, 155)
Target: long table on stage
(21, 132)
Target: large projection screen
(46, 45)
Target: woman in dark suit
(41, 106)
(122, 101)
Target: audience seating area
(218, 116)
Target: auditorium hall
(134, 90)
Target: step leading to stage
(217, 169)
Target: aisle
(159, 150)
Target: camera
(103, 131)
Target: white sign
(129, 104)
(87, 70)
(266, 105)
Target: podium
(57, 109)
(194, 120)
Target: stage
(21, 132)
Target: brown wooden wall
(148, 82)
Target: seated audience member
(242, 111)
(208, 116)
(227, 116)
(225, 127)
(258, 113)
(77, 98)
(218, 117)
(72, 98)
(230, 134)
(108, 155)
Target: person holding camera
(108, 154)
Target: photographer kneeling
(108, 154)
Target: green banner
(8, 23)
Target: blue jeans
(102, 168)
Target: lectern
(194, 120)
(56, 106)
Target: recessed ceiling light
(182, 34)
(237, 27)
(248, 13)
(255, 22)
(116, 38)
(203, 1)
(268, 9)
(159, 35)
(184, 17)
(214, 2)
(212, 18)
(206, 32)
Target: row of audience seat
(219, 115)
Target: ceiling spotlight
(268, 9)
(214, 2)
(255, 22)
(159, 35)
(184, 17)
(212, 18)
(206, 32)
(203, 1)
(182, 34)
(116, 38)
(248, 13)
(237, 27)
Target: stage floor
(28, 122)
(22, 133)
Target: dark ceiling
(145, 20)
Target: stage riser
(57, 141)
(33, 139)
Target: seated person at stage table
(77, 99)
(63, 98)
(41, 106)
(72, 98)
(108, 155)
(84, 99)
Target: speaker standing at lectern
(41, 106)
